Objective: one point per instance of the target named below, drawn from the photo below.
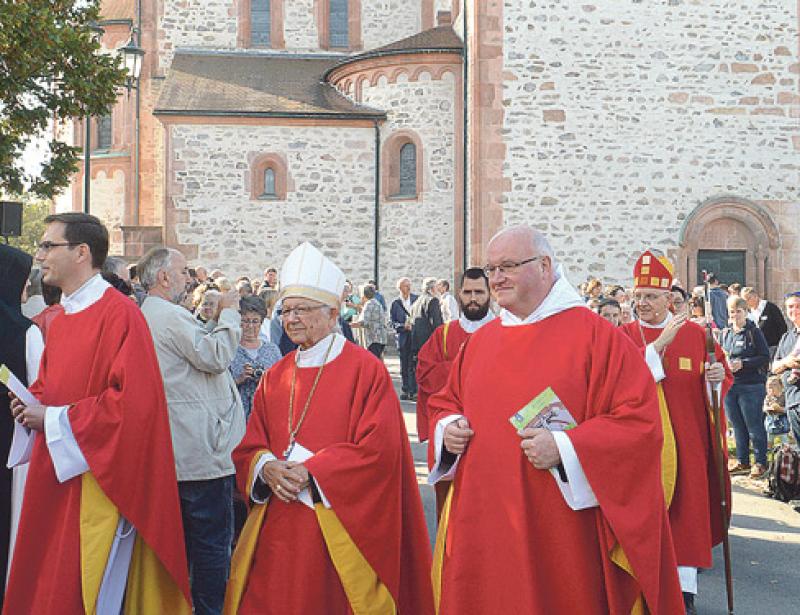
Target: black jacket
(751, 348)
(772, 324)
(426, 315)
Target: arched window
(408, 170)
(401, 166)
(269, 178)
(260, 22)
(104, 132)
(269, 184)
(338, 27)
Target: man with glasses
(549, 428)
(675, 351)
(101, 496)
(437, 355)
(205, 413)
(327, 467)
(787, 361)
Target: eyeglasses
(508, 266)
(46, 246)
(300, 311)
(251, 321)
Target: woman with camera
(255, 354)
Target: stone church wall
(330, 201)
(196, 23)
(417, 236)
(621, 117)
(300, 26)
(386, 21)
(108, 203)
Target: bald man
(558, 507)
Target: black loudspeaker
(10, 218)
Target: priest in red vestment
(100, 530)
(437, 355)
(336, 524)
(675, 350)
(549, 426)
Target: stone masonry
(621, 117)
(330, 200)
(417, 236)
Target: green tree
(34, 211)
(49, 71)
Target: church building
(400, 135)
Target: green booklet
(545, 411)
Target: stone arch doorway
(730, 230)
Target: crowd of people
(205, 442)
(753, 335)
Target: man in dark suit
(400, 315)
(426, 316)
(767, 316)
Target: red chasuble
(101, 361)
(433, 366)
(508, 542)
(362, 462)
(694, 512)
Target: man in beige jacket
(205, 414)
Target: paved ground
(764, 538)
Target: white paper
(299, 454)
(22, 441)
(8, 378)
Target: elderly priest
(336, 524)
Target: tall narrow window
(338, 23)
(260, 22)
(104, 132)
(408, 170)
(269, 184)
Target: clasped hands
(539, 445)
(31, 417)
(286, 479)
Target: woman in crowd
(255, 355)
(372, 322)
(748, 356)
(208, 308)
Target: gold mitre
(308, 273)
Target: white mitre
(308, 273)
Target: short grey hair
(115, 265)
(537, 240)
(428, 284)
(156, 259)
(401, 281)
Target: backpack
(784, 473)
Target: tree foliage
(50, 71)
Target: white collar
(470, 326)
(561, 297)
(755, 314)
(658, 326)
(87, 295)
(313, 356)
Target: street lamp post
(132, 58)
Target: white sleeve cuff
(21, 445)
(68, 460)
(654, 363)
(265, 459)
(577, 492)
(447, 470)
